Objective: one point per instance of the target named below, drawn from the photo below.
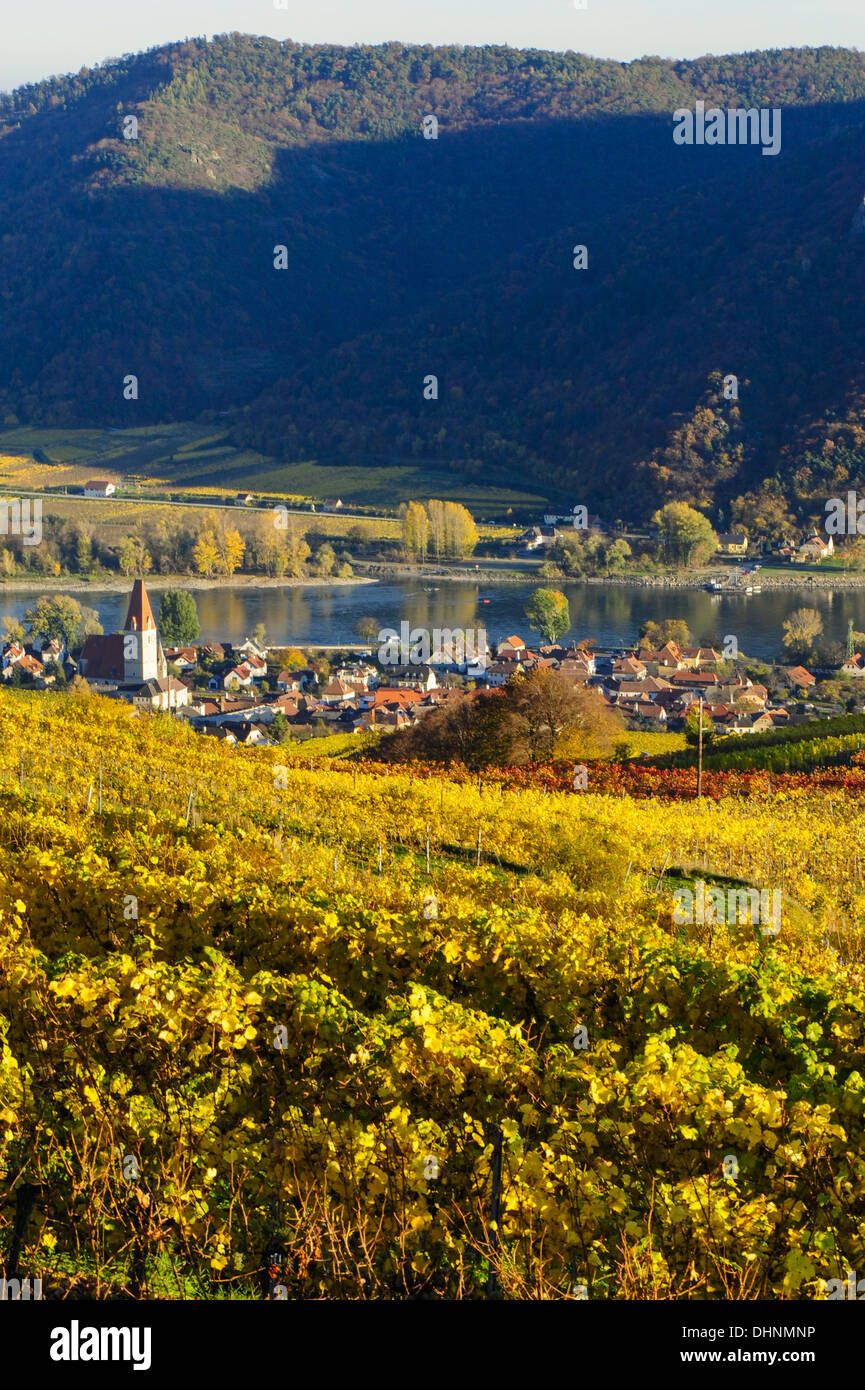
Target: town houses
(249, 693)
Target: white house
(99, 487)
(238, 677)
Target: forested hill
(454, 257)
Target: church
(131, 665)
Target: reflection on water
(612, 615)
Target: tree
(259, 635)
(534, 717)
(656, 635)
(61, 617)
(801, 631)
(616, 556)
(231, 547)
(550, 717)
(692, 727)
(325, 559)
(178, 618)
(133, 556)
(686, 536)
(12, 629)
(367, 628)
(206, 553)
(83, 552)
(280, 729)
(292, 659)
(548, 613)
(415, 530)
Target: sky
(44, 37)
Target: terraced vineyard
(350, 1032)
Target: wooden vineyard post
(700, 753)
(494, 1210)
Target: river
(612, 614)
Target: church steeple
(143, 657)
(140, 617)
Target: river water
(611, 614)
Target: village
(244, 694)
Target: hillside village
(242, 694)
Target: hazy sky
(42, 37)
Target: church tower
(143, 657)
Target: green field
(199, 457)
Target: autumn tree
(206, 553)
(686, 536)
(656, 635)
(133, 556)
(548, 613)
(415, 530)
(60, 616)
(550, 717)
(231, 548)
(800, 632)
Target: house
(733, 543)
(629, 669)
(357, 674)
(13, 654)
(257, 665)
(798, 677)
(249, 734)
(511, 648)
(288, 681)
(500, 672)
(698, 658)
(164, 693)
(50, 649)
(213, 651)
(691, 680)
(99, 487)
(332, 504)
(753, 694)
(413, 677)
(19, 660)
(337, 692)
(239, 677)
(538, 537)
(250, 648)
(814, 549)
(244, 499)
(381, 718)
(182, 657)
(854, 666)
(577, 671)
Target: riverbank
(71, 584)
(686, 579)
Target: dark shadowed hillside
(454, 257)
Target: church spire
(140, 615)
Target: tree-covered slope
(406, 257)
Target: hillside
(267, 1025)
(452, 256)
